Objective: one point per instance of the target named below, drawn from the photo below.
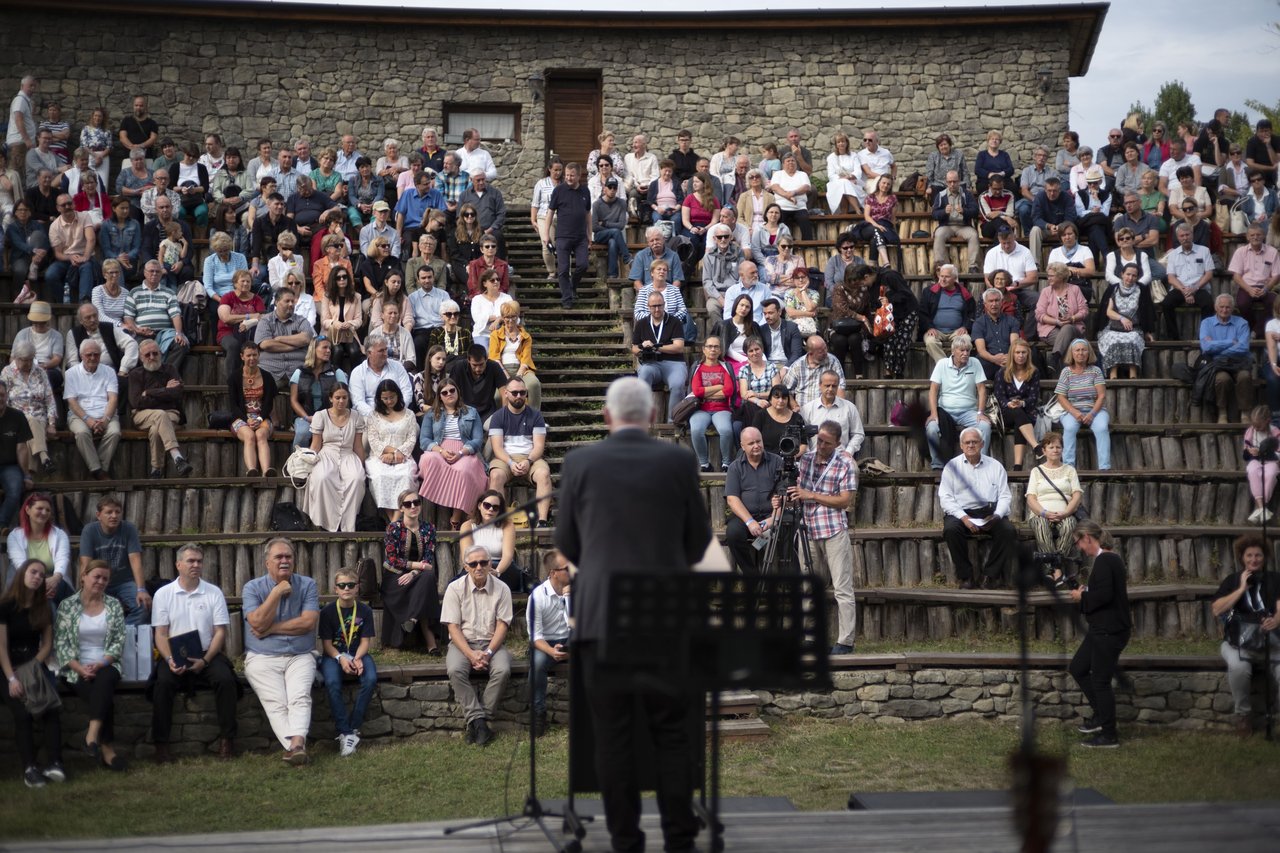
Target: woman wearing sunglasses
(500, 538)
(346, 630)
(452, 469)
(410, 593)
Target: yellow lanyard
(348, 628)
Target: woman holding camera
(1247, 603)
(1104, 601)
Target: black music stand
(718, 631)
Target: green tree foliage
(1173, 105)
(1238, 128)
(1271, 113)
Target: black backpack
(286, 516)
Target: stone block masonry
(287, 78)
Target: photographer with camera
(749, 492)
(827, 482)
(1104, 601)
(1053, 495)
(657, 342)
(974, 494)
(1247, 602)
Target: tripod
(533, 808)
(790, 535)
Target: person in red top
(995, 207)
(698, 210)
(713, 385)
(488, 260)
(238, 313)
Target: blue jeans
(127, 592)
(1101, 437)
(542, 663)
(617, 243)
(674, 373)
(61, 273)
(724, 428)
(1022, 209)
(11, 482)
(963, 420)
(331, 670)
(301, 432)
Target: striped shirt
(154, 309)
(670, 295)
(1079, 388)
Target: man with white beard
(155, 398)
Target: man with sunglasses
(346, 631)
(477, 610)
(720, 269)
(518, 434)
(188, 605)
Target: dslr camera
(1059, 572)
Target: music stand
(718, 632)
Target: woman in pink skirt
(453, 471)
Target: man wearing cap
(72, 238)
(609, 224)
(491, 208)
(92, 394)
(380, 226)
(1093, 212)
(412, 206)
(1017, 260)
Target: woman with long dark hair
(26, 636)
(452, 468)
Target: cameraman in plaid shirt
(827, 482)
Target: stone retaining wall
(289, 77)
(1180, 699)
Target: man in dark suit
(632, 504)
(777, 329)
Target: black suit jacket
(628, 504)
(792, 340)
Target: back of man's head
(628, 402)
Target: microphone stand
(533, 808)
(1267, 690)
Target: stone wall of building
(255, 78)
(425, 707)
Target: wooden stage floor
(1157, 828)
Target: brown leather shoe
(163, 756)
(226, 749)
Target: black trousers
(614, 706)
(1004, 541)
(798, 220)
(218, 675)
(1175, 300)
(100, 695)
(24, 733)
(575, 249)
(1093, 667)
(849, 344)
(746, 559)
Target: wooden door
(574, 116)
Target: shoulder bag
(1082, 510)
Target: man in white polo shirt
(189, 604)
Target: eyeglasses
(486, 245)
(1113, 136)
(345, 585)
(1158, 130)
(342, 278)
(1189, 208)
(407, 504)
(724, 237)
(518, 393)
(492, 507)
(475, 564)
(867, 139)
(1121, 237)
(468, 216)
(448, 392)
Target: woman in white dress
(485, 313)
(844, 190)
(392, 432)
(335, 489)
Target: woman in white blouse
(844, 189)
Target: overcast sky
(1222, 54)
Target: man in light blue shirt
(281, 610)
(413, 205)
(1226, 336)
(749, 283)
(426, 303)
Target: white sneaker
(1255, 515)
(349, 744)
(1266, 516)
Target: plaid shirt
(837, 476)
(453, 186)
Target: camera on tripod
(794, 437)
(1060, 571)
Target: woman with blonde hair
(844, 178)
(1017, 390)
(511, 345)
(1082, 392)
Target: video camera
(1060, 572)
(794, 437)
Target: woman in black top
(774, 420)
(1104, 601)
(1248, 600)
(410, 594)
(26, 634)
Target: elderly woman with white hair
(392, 163)
(451, 336)
(957, 398)
(31, 394)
